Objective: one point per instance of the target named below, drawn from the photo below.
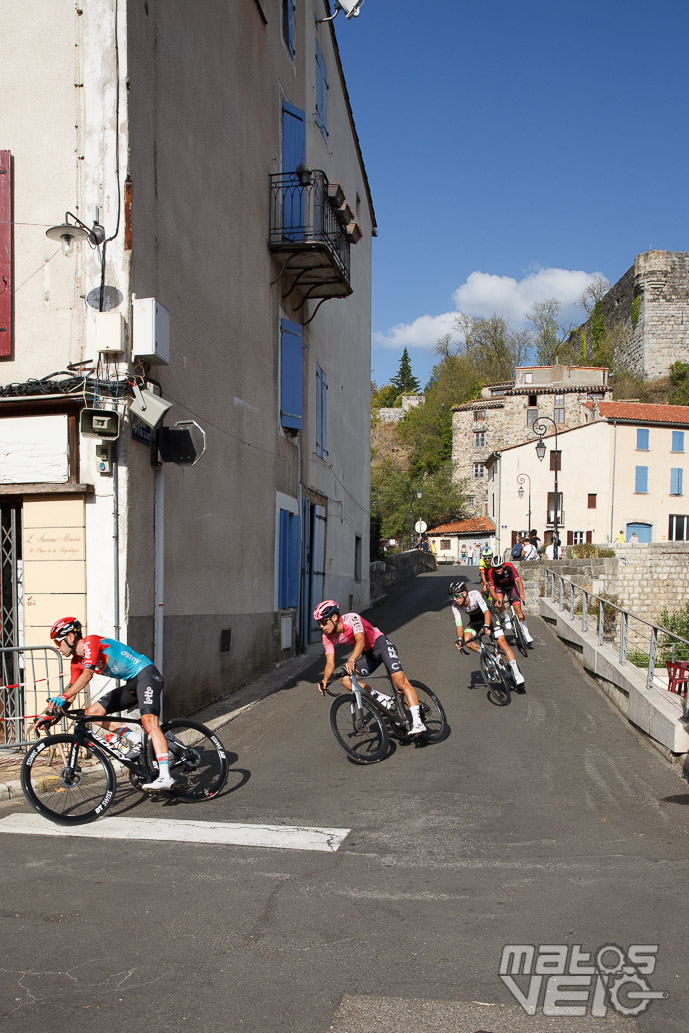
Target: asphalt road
(547, 822)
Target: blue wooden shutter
(678, 441)
(293, 154)
(642, 439)
(288, 24)
(321, 118)
(676, 480)
(290, 375)
(288, 573)
(641, 483)
(321, 413)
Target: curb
(217, 715)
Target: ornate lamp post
(540, 428)
(411, 513)
(520, 492)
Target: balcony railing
(306, 232)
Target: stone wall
(397, 567)
(649, 305)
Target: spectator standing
(620, 540)
(463, 553)
(477, 551)
(535, 540)
(550, 553)
(633, 538)
(529, 550)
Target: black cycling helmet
(497, 561)
(456, 587)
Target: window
(533, 400)
(445, 544)
(678, 531)
(288, 25)
(578, 537)
(479, 470)
(678, 441)
(528, 377)
(642, 439)
(641, 480)
(676, 480)
(555, 459)
(479, 439)
(290, 375)
(531, 417)
(479, 414)
(321, 117)
(559, 408)
(551, 508)
(288, 560)
(357, 557)
(321, 411)
(592, 501)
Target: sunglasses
(325, 620)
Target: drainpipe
(612, 493)
(158, 563)
(115, 543)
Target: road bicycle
(497, 673)
(70, 779)
(363, 726)
(511, 614)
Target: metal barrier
(28, 675)
(613, 622)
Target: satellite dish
(351, 8)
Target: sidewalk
(215, 716)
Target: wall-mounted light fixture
(351, 9)
(77, 230)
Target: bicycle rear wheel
(493, 676)
(519, 636)
(198, 762)
(78, 788)
(432, 713)
(363, 734)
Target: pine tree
(405, 383)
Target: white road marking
(281, 837)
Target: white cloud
(483, 294)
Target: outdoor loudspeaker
(99, 423)
(149, 407)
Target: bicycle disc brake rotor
(71, 777)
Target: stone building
(650, 306)
(505, 415)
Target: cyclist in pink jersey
(370, 648)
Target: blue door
(643, 531)
(293, 154)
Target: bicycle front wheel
(432, 713)
(520, 638)
(77, 787)
(493, 676)
(363, 734)
(198, 762)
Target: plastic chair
(678, 676)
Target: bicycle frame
(86, 738)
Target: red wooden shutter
(570, 537)
(5, 254)
(589, 536)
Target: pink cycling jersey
(353, 624)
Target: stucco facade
(165, 121)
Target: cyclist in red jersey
(504, 580)
(143, 686)
(370, 648)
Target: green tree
(383, 397)
(442, 498)
(552, 337)
(679, 375)
(493, 346)
(405, 383)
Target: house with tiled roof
(447, 539)
(621, 470)
(505, 414)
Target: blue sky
(514, 151)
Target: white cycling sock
(163, 764)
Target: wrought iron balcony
(309, 235)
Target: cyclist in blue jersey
(143, 686)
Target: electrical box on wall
(110, 333)
(150, 331)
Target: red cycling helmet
(328, 608)
(62, 628)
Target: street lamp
(520, 490)
(411, 513)
(540, 429)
